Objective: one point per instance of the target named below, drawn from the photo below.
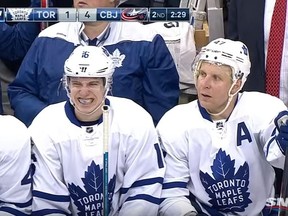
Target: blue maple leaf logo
(91, 200)
(228, 190)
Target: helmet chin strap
(230, 97)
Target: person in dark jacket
(148, 76)
(15, 40)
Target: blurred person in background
(148, 76)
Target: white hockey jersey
(179, 38)
(15, 167)
(221, 166)
(69, 162)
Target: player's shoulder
(171, 30)
(260, 101)
(14, 134)
(128, 111)
(134, 31)
(8, 122)
(182, 110)
(68, 31)
(181, 115)
(50, 115)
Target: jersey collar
(70, 113)
(207, 116)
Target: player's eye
(202, 73)
(75, 84)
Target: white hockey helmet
(227, 52)
(89, 61)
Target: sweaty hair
(230, 73)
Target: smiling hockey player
(68, 148)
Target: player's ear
(237, 86)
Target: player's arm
(23, 91)
(177, 175)
(144, 170)
(16, 40)
(50, 194)
(161, 81)
(275, 147)
(15, 168)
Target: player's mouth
(85, 101)
(205, 95)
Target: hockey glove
(281, 123)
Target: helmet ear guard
(225, 52)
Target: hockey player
(148, 75)
(15, 167)
(220, 148)
(68, 139)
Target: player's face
(93, 3)
(86, 94)
(213, 85)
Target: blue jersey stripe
(142, 183)
(20, 205)
(174, 185)
(270, 141)
(57, 198)
(159, 156)
(145, 197)
(49, 211)
(12, 211)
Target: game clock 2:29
(178, 14)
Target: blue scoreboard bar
(93, 14)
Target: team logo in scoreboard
(134, 14)
(19, 14)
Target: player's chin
(204, 99)
(86, 110)
(205, 103)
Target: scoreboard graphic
(93, 14)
